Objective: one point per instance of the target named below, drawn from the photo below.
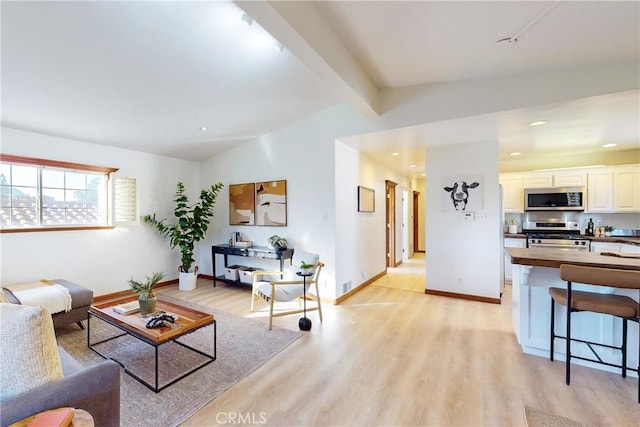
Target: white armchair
(285, 286)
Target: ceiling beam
(299, 27)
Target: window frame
(39, 162)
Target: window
(39, 194)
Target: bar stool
(615, 305)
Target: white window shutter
(125, 200)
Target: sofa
(52, 378)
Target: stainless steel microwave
(555, 199)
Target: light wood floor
(409, 276)
(388, 357)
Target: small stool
(615, 305)
(81, 299)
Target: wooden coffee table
(134, 325)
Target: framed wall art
(462, 193)
(366, 199)
(242, 204)
(271, 203)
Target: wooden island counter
(535, 270)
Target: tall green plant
(191, 223)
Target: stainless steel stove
(555, 234)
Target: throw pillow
(29, 350)
(2, 297)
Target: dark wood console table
(252, 251)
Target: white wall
(463, 257)
(102, 260)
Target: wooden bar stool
(615, 305)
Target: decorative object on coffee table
(192, 222)
(146, 294)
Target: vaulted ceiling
(189, 79)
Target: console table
(252, 251)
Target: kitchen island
(535, 270)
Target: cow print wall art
(462, 194)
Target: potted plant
(607, 230)
(146, 294)
(192, 222)
(278, 243)
(306, 269)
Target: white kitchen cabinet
(512, 191)
(626, 188)
(570, 178)
(511, 243)
(537, 180)
(600, 190)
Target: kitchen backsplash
(617, 220)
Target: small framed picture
(366, 199)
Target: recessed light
(412, 166)
(538, 123)
(203, 128)
(423, 174)
(609, 145)
(515, 153)
(395, 154)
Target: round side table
(304, 323)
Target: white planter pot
(187, 281)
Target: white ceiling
(149, 75)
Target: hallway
(409, 276)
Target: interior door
(391, 223)
(416, 228)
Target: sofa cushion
(29, 351)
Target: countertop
(545, 257)
(613, 239)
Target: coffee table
(134, 325)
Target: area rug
(243, 345)
(539, 418)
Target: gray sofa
(81, 299)
(95, 389)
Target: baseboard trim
(358, 288)
(120, 294)
(462, 296)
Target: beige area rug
(243, 345)
(540, 418)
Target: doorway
(416, 222)
(391, 222)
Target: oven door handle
(568, 247)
